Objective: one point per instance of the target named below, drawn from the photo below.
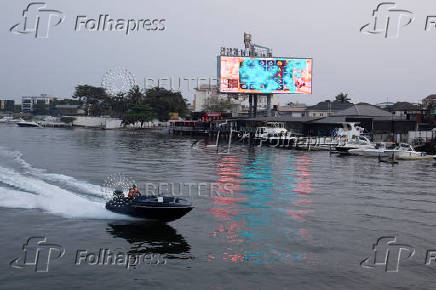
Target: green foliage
(40, 109)
(343, 98)
(131, 106)
(139, 113)
(96, 99)
(164, 102)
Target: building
(239, 103)
(28, 103)
(293, 110)
(429, 104)
(384, 105)
(327, 108)
(380, 124)
(202, 94)
(406, 110)
(7, 105)
(429, 101)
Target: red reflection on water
(303, 188)
(226, 207)
(299, 214)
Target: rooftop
(330, 106)
(364, 110)
(291, 109)
(431, 97)
(404, 106)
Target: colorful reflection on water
(271, 200)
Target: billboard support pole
(250, 105)
(255, 106)
(268, 105)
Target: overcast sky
(370, 68)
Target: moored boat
(23, 123)
(407, 152)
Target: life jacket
(131, 192)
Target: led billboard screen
(254, 75)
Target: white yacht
(379, 150)
(356, 142)
(407, 152)
(9, 120)
(23, 123)
(274, 134)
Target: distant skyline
(186, 42)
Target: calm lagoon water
(295, 220)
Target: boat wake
(22, 186)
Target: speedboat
(10, 120)
(5, 119)
(157, 208)
(358, 142)
(23, 123)
(407, 152)
(379, 150)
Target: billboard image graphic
(254, 75)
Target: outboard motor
(118, 194)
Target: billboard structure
(264, 75)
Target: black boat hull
(164, 212)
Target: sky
(369, 67)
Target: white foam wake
(53, 193)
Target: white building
(240, 102)
(28, 102)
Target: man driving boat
(133, 191)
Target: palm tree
(343, 98)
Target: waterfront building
(406, 110)
(28, 102)
(7, 105)
(292, 110)
(239, 103)
(430, 103)
(378, 123)
(327, 108)
(384, 105)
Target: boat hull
(27, 125)
(148, 209)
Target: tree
(139, 113)
(343, 98)
(163, 102)
(40, 108)
(216, 104)
(135, 95)
(95, 98)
